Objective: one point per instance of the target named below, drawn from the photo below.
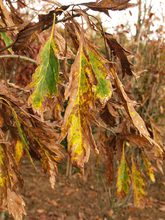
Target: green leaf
(103, 88)
(123, 178)
(7, 40)
(46, 75)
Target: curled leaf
(120, 52)
(105, 5)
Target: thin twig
(18, 57)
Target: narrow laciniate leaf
(45, 78)
(76, 116)
(123, 178)
(136, 119)
(138, 186)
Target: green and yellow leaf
(46, 76)
(103, 87)
(76, 115)
(138, 185)
(123, 178)
(148, 168)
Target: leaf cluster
(75, 90)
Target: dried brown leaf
(120, 52)
(15, 205)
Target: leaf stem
(18, 57)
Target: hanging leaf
(148, 168)
(115, 4)
(138, 186)
(9, 182)
(120, 52)
(6, 15)
(123, 178)
(7, 40)
(2, 178)
(18, 150)
(21, 133)
(49, 165)
(105, 5)
(46, 75)
(134, 116)
(15, 205)
(103, 87)
(1, 155)
(156, 133)
(78, 110)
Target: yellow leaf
(149, 168)
(1, 155)
(123, 178)
(2, 180)
(138, 186)
(18, 150)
